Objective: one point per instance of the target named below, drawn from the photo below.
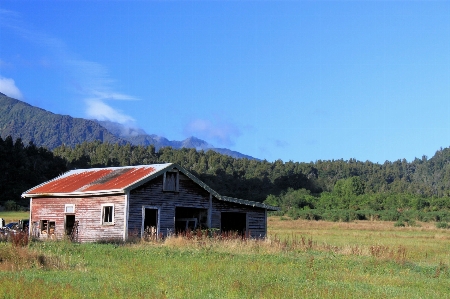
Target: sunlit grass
(300, 259)
(424, 242)
(14, 216)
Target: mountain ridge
(44, 128)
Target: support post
(209, 220)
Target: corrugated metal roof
(95, 179)
(120, 179)
(112, 180)
(71, 182)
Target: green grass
(300, 260)
(14, 216)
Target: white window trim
(69, 205)
(103, 211)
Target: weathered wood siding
(190, 195)
(256, 217)
(151, 194)
(88, 211)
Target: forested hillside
(43, 128)
(336, 190)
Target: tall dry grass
(18, 258)
(281, 223)
(277, 245)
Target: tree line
(23, 167)
(348, 202)
(298, 187)
(240, 178)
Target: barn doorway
(69, 224)
(233, 222)
(190, 219)
(150, 222)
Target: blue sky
(289, 80)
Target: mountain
(43, 128)
(140, 137)
(21, 120)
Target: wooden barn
(157, 200)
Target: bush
(442, 225)
(399, 223)
(358, 215)
(337, 215)
(276, 213)
(293, 213)
(411, 222)
(390, 215)
(310, 214)
(330, 215)
(440, 216)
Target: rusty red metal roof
(96, 179)
(72, 182)
(117, 180)
(120, 179)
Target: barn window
(170, 181)
(47, 227)
(69, 208)
(107, 214)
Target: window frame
(69, 205)
(102, 219)
(177, 181)
(47, 226)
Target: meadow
(299, 259)
(14, 216)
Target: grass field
(300, 259)
(14, 216)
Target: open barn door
(234, 222)
(150, 222)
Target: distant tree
(23, 167)
(10, 205)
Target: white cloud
(221, 132)
(99, 110)
(91, 80)
(113, 96)
(8, 87)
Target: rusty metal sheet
(120, 180)
(100, 179)
(71, 183)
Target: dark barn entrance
(234, 222)
(190, 219)
(70, 222)
(150, 222)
